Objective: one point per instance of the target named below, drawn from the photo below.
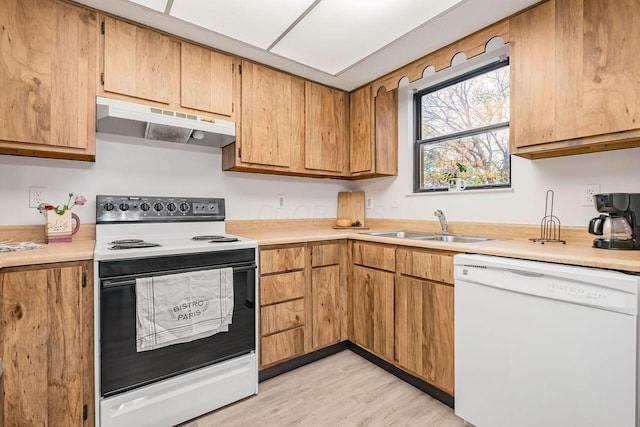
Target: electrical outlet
(369, 203)
(37, 195)
(588, 191)
(395, 201)
(282, 201)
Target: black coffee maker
(618, 226)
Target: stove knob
(184, 207)
(144, 206)
(171, 207)
(158, 207)
(124, 207)
(109, 206)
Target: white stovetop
(174, 238)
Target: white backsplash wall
(615, 171)
(137, 167)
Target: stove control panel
(119, 209)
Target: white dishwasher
(542, 344)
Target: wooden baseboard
(424, 386)
(289, 365)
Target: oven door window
(123, 368)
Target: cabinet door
(434, 266)
(43, 347)
(386, 132)
(424, 330)
(611, 82)
(362, 137)
(533, 62)
(47, 78)
(574, 72)
(272, 111)
(281, 259)
(281, 346)
(372, 310)
(374, 133)
(325, 144)
(206, 80)
(141, 63)
(327, 305)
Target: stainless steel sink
(399, 234)
(452, 238)
(415, 235)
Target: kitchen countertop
(77, 250)
(575, 254)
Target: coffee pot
(611, 227)
(617, 225)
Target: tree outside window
(466, 121)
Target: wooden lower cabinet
(372, 310)
(47, 345)
(303, 299)
(424, 330)
(281, 346)
(327, 305)
(284, 295)
(279, 317)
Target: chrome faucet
(443, 221)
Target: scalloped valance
(471, 46)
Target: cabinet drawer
(376, 256)
(281, 346)
(282, 259)
(427, 265)
(326, 254)
(278, 317)
(281, 287)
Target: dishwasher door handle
(525, 273)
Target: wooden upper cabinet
(272, 116)
(386, 128)
(374, 133)
(326, 139)
(206, 80)
(141, 63)
(47, 79)
(575, 85)
(361, 150)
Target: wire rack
(550, 224)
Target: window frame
(417, 120)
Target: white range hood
(142, 121)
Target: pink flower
(80, 201)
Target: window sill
(457, 193)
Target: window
(464, 120)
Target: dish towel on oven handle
(183, 307)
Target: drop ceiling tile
(158, 5)
(256, 22)
(337, 34)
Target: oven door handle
(250, 269)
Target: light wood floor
(342, 390)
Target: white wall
(138, 167)
(615, 171)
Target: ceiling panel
(337, 34)
(158, 5)
(256, 22)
